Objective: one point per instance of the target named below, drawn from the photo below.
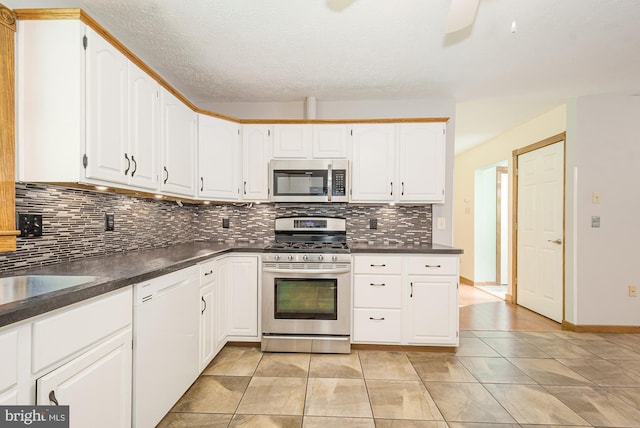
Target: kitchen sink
(16, 288)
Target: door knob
(555, 241)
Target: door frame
(514, 224)
(500, 170)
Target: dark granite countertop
(121, 270)
(112, 272)
(392, 247)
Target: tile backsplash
(73, 222)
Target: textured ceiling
(216, 51)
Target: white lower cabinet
(96, 385)
(210, 339)
(9, 372)
(242, 296)
(405, 299)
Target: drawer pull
(411, 295)
(208, 273)
(382, 265)
(376, 319)
(52, 398)
(433, 266)
(377, 285)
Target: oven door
(312, 302)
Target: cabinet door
(242, 291)
(372, 168)
(221, 302)
(218, 158)
(9, 372)
(106, 101)
(96, 386)
(421, 165)
(144, 129)
(330, 141)
(256, 153)
(207, 325)
(292, 141)
(178, 146)
(432, 316)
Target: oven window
(300, 183)
(315, 299)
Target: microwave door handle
(329, 183)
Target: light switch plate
(595, 197)
(442, 223)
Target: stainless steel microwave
(309, 180)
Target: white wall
(490, 153)
(371, 109)
(603, 152)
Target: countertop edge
(14, 312)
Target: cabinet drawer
(377, 291)
(377, 325)
(207, 271)
(377, 265)
(60, 335)
(432, 265)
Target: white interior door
(540, 230)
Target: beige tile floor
(494, 379)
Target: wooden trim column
(7, 130)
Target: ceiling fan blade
(461, 15)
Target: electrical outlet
(225, 223)
(595, 221)
(373, 223)
(109, 222)
(29, 225)
(633, 291)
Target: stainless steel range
(306, 287)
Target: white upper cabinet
(144, 129)
(421, 162)
(372, 167)
(256, 153)
(292, 141)
(218, 158)
(178, 146)
(106, 111)
(330, 141)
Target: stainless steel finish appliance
(322, 180)
(306, 287)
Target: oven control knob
(276, 257)
(320, 257)
(290, 257)
(305, 257)
(334, 258)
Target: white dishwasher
(165, 343)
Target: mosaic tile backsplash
(73, 222)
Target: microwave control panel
(339, 178)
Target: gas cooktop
(309, 247)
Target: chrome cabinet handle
(382, 265)
(377, 285)
(402, 192)
(126, 171)
(432, 266)
(166, 171)
(205, 306)
(555, 241)
(135, 166)
(411, 294)
(52, 398)
(377, 319)
(201, 184)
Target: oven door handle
(307, 271)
